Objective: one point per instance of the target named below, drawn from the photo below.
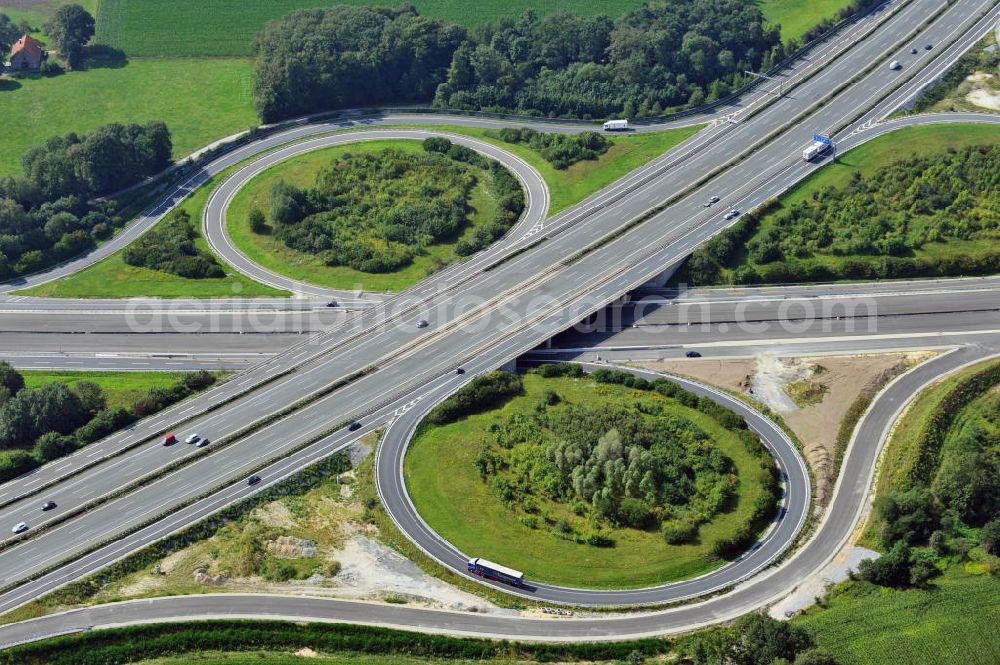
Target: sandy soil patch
(816, 425)
(985, 99)
(729, 374)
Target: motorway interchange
(311, 370)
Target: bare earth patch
(831, 382)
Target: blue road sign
(822, 139)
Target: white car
(732, 213)
(894, 65)
(711, 200)
(20, 527)
(192, 438)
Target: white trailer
(817, 148)
(616, 125)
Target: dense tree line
(343, 56)
(169, 246)
(871, 227)
(45, 215)
(661, 56)
(560, 150)
(110, 158)
(948, 487)
(44, 423)
(128, 644)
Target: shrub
(169, 246)
(482, 393)
(255, 218)
(677, 532)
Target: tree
(990, 537)
(256, 220)
(70, 29)
(52, 446)
(815, 657)
(9, 33)
(91, 396)
(10, 378)
(757, 638)
(908, 516)
(891, 570)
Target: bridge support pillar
(661, 280)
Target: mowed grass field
(795, 16)
(301, 171)
(201, 100)
(122, 389)
(446, 489)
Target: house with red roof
(27, 55)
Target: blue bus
(495, 571)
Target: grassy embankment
(121, 389)
(866, 159)
(954, 622)
(301, 171)
(113, 278)
(569, 186)
(446, 488)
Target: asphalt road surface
(552, 284)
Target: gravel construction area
(840, 380)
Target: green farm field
(183, 27)
(122, 389)
(447, 490)
(956, 622)
(301, 171)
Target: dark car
(929, 47)
(170, 439)
(48, 505)
(332, 303)
(253, 480)
(693, 354)
(459, 371)
(913, 50)
(354, 427)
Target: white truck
(616, 125)
(817, 148)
